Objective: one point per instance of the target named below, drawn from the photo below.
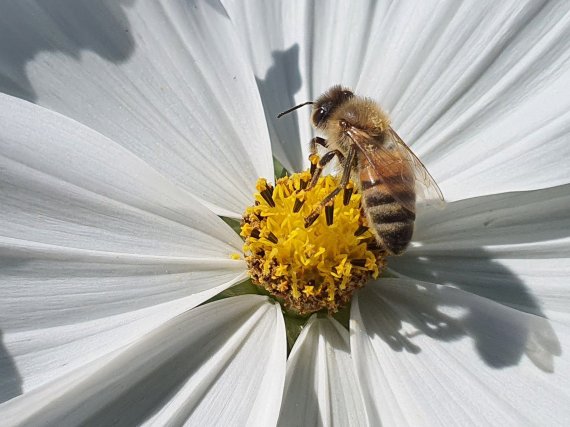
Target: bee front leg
(317, 169)
(343, 185)
(317, 140)
(314, 156)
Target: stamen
(298, 205)
(267, 196)
(360, 230)
(310, 220)
(329, 212)
(359, 262)
(266, 191)
(373, 246)
(272, 238)
(347, 194)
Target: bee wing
(397, 168)
(426, 188)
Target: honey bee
(389, 175)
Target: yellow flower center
(309, 267)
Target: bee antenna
(294, 108)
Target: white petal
(320, 386)
(485, 112)
(513, 248)
(478, 91)
(433, 355)
(72, 197)
(168, 81)
(47, 351)
(197, 368)
(95, 246)
(296, 56)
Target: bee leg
(314, 157)
(343, 182)
(317, 140)
(318, 169)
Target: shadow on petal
(425, 317)
(282, 80)
(470, 245)
(30, 28)
(399, 310)
(532, 336)
(10, 380)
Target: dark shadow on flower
(217, 6)
(282, 80)
(10, 380)
(501, 337)
(68, 27)
(427, 320)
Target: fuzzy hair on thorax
(362, 113)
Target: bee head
(327, 103)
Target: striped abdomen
(392, 224)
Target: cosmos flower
(128, 128)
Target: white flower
(146, 111)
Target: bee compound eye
(347, 94)
(320, 115)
